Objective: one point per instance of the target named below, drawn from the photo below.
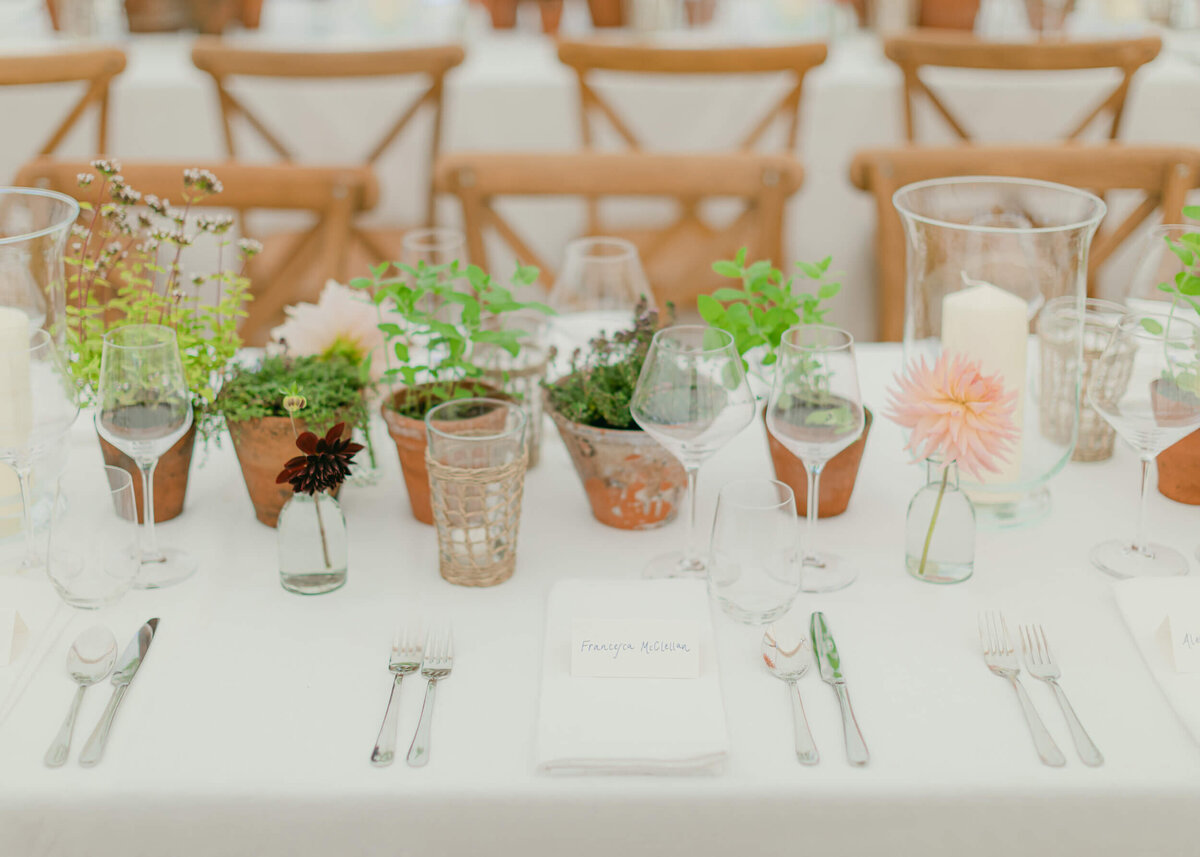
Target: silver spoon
(90, 659)
(787, 655)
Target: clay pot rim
(557, 416)
(389, 413)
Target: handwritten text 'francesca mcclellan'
(646, 647)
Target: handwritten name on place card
(1183, 628)
(635, 648)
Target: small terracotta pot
(251, 13)
(551, 11)
(409, 437)
(606, 13)
(948, 15)
(631, 481)
(263, 446)
(1178, 464)
(837, 477)
(503, 13)
(170, 476)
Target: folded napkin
(629, 725)
(1144, 604)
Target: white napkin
(1144, 604)
(629, 725)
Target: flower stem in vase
(321, 527)
(937, 507)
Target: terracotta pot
(837, 478)
(212, 17)
(632, 482)
(157, 16)
(551, 11)
(1178, 464)
(949, 14)
(262, 447)
(606, 13)
(503, 13)
(170, 476)
(251, 13)
(409, 437)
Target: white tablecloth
(248, 729)
(512, 94)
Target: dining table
(249, 727)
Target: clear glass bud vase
(939, 538)
(312, 544)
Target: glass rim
(65, 223)
(1175, 227)
(172, 340)
(1086, 305)
(416, 238)
(1133, 321)
(663, 343)
(846, 345)
(112, 470)
(1101, 208)
(628, 248)
(511, 407)
(788, 499)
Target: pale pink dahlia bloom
(343, 321)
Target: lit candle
(16, 396)
(991, 326)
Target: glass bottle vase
(312, 544)
(939, 537)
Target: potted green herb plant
(254, 403)
(436, 315)
(631, 481)
(757, 315)
(124, 267)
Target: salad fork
(1042, 666)
(439, 659)
(1001, 659)
(405, 659)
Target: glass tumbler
(93, 556)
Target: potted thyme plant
(431, 330)
(757, 315)
(631, 481)
(124, 267)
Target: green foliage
(124, 268)
(426, 350)
(1184, 287)
(600, 385)
(767, 304)
(332, 391)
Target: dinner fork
(1042, 666)
(1000, 657)
(405, 659)
(439, 658)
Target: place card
(635, 648)
(13, 634)
(1182, 627)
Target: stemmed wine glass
(144, 409)
(1147, 386)
(815, 411)
(692, 397)
(38, 405)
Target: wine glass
(692, 397)
(38, 405)
(815, 411)
(144, 409)
(1151, 405)
(434, 246)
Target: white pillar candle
(991, 326)
(16, 395)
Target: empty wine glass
(144, 409)
(38, 405)
(692, 397)
(434, 246)
(1158, 406)
(815, 411)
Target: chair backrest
(95, 67)
(920, 49)
(678, 269)
(1163, 174)
(224, 62)
(332, 196)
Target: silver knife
(127, 666)
(825, 650)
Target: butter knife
(830, 665)
(127, 667)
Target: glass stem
(1140, 545)
(150, 551)
(691, 554)
(31, 553)
(814, 504)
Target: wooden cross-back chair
(678, 257)
(225, 62)
(332, 196)
(1164, 175)
(94, 67)
(588, 57)
(922, 49)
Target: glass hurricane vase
(312, 544)
(939, 532)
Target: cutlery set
(92, 656)
(434, 658)
(785, 652)
(1001, 658)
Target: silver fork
(405, 659)
(1001, 659)
(439, 659)
(1042, 666)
